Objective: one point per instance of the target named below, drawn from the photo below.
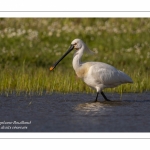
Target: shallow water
(75, 113)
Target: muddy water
(75, 113)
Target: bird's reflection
(99, 107)
(90, 107)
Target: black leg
(104, 96)
(96, 97)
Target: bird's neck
(77, 59)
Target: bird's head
(76, 44)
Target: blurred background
(29, 46)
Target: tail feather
(125, 78)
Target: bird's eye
(75, 43)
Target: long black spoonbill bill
(97, 75)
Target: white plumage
(97, 75)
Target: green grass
(29, 46)
(41, 80)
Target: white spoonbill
(97, 75)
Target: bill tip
(51, 68)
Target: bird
(97, 75)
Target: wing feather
(108, 75)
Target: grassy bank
(39, 80)
(28, 47)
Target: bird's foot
(95, 100)
(107, 100)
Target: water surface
(75, 113)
